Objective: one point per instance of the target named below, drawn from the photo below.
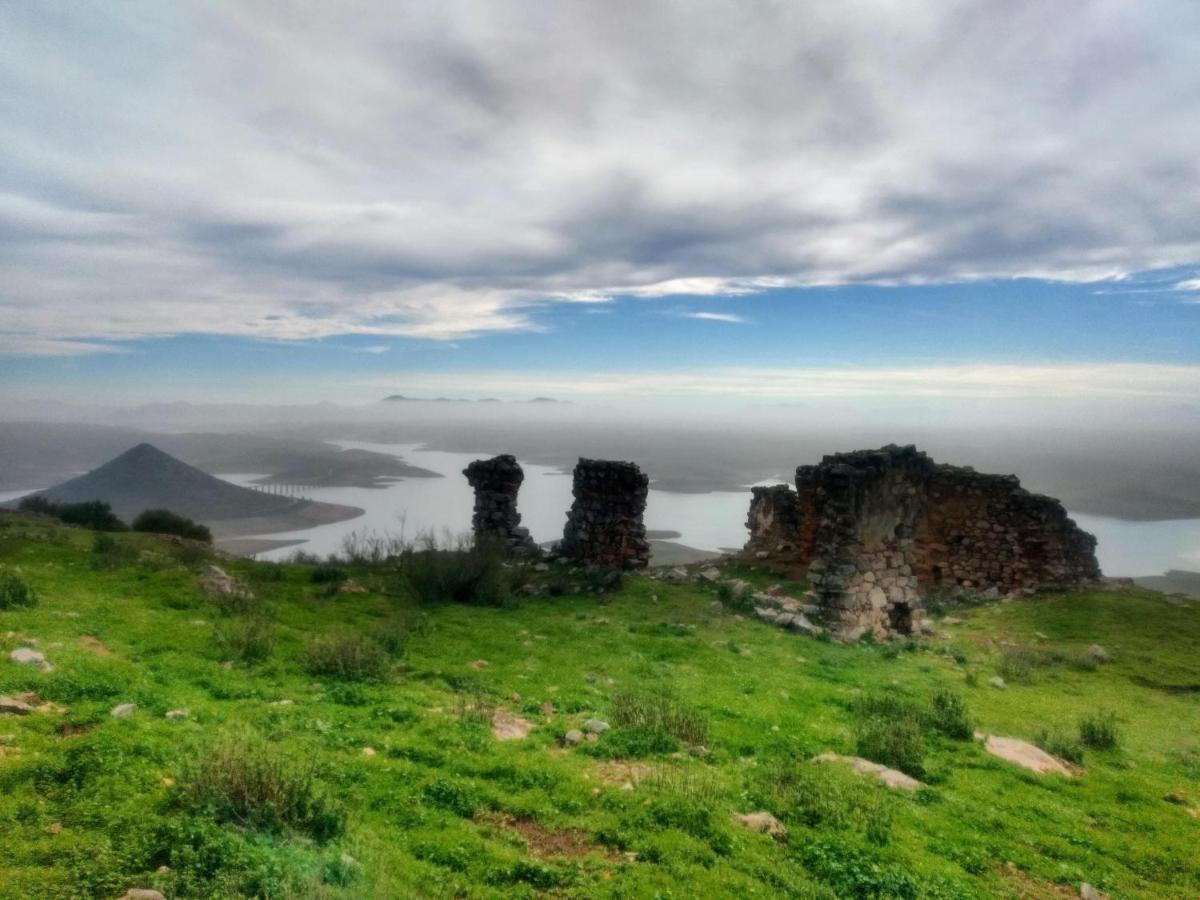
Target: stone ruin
(774, 521)
(882, 530)
(496, 482)
(604, 526)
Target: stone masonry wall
(496, 482)
(774, 521)
(890, 525)
(605, 526)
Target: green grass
(389, 783)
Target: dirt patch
(508, 726)
(1027, 887)
(97, 646)
(69, 730)
(616, 772)
(542, 843)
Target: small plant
(659, 712)
(14, 592)
(247, 782)
(887, 730)
(163, 521)
(1056, 743)
(1098, 730)
(327, 573)
(824, 796)
(108, 553)
(948, 714)
(249, 639)
(470, 572)
(473, 706)
(1021, 664)
(351, 656)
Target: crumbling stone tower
(496, 482)
(605, 526)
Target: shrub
(824, 796)
(1020, 664)
(163, 521)
(948, 714)
(1099, 730)
(658, 712)
(14, 592)
(350, 656)
(887, 730)
(326, 573)
(453, 796)
(249, 783)
(249, 639)
(1056, 743)
(108, 553)
(470, 573)
(94, 514)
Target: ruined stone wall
(605, 525)
(889, 526)
(774, 521)
(496, 482)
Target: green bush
(1056, 743)
(94, 514)
(108, 553)
(1021, 664)
(1099, 731)
(948, 715)
(249, 639)
(471, 573)
(887, 730)
(14, 592)
(354, 657)
(249, 783)
(163, 521)
(325, 573)
(801, 793)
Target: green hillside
(334, 739)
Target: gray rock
(14, 707)
(123, 711)
(177, 714)
(1096, 654)
(997, 682)
(1087, 892)
(573, 737)
(142, 894)
(712, 574)
(595, 726)
(27, 656)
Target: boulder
(1087, 892)
(27, 656)
(123, 711)
(893, 778)
(216, 582)
(141, 894)
(14, 707)
(595, 726)
(1096, 655)
(1025, 755)
(573, 737)
(762, 822)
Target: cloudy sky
(764, 199)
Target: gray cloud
(441, 169)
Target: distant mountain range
(145, 477)
(398, 398)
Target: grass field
(339, 744)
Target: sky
(703, 200)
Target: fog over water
(706, 521)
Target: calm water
(705, 521)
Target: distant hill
(145, 477)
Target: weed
(1059, 744)
(659, 712)
(351, 656)
(247, 782)
(14, 592)
(469, 572)
(1099, 731)
(1021, 664)
(887, 730)
(948, 715)
(824, 796)
(247, 639)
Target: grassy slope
(427, 810)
